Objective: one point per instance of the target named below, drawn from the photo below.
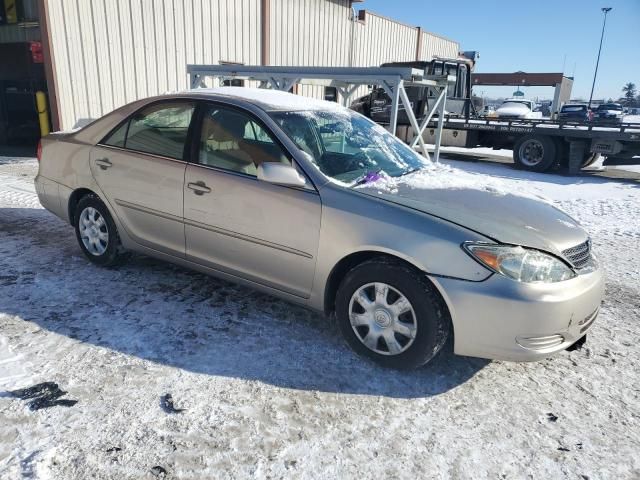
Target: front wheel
(96, 232)
(392, 314)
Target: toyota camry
(285, 194)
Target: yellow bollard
(43, 113)
(10, 11)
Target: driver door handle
(104, 163)
(199, 188)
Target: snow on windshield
(347, 147)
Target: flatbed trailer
(537, 144)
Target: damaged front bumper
(499, 318)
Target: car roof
(267, 99)
(610, 105)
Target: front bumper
(499, 318)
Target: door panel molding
(247, 238)
(150, 211)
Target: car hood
(503, 217)
(513, 110)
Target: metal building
(98, 55)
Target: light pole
(595, 74)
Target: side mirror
(281, 174)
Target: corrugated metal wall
(111, 52)
(309, 33)
(312, 32)
(379, 40)
(108, 53)
(435, 45)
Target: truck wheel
(536, 153)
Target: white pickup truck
(518, 108)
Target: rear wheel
(536, 153)
(391, 314)
(97, 233)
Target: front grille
(579, 255)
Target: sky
(535, 36)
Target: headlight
(521, 264)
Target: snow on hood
(513, 109)
(484, 204)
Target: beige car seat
(221, 143)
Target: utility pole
(605, 10)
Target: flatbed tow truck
(538, 145)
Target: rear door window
(160, 129)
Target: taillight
(39, 151)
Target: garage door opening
(24, 105)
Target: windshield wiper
(413, 170)
(370, 176)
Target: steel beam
(441, 113)
(413, 120)
(427, 119)
(346, 80)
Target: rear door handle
(104, 163)
(199, 188)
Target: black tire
(536, 153)
(431, 315)
(114, 253)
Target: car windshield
(348, 147)
(574, 108)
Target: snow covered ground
(269, 390)
(507, 156)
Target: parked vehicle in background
(609, 112)
(575, 112)
(281, 193)
(488, 111)
(518, 108)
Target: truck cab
(376, 105)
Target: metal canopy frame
(346, 80)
